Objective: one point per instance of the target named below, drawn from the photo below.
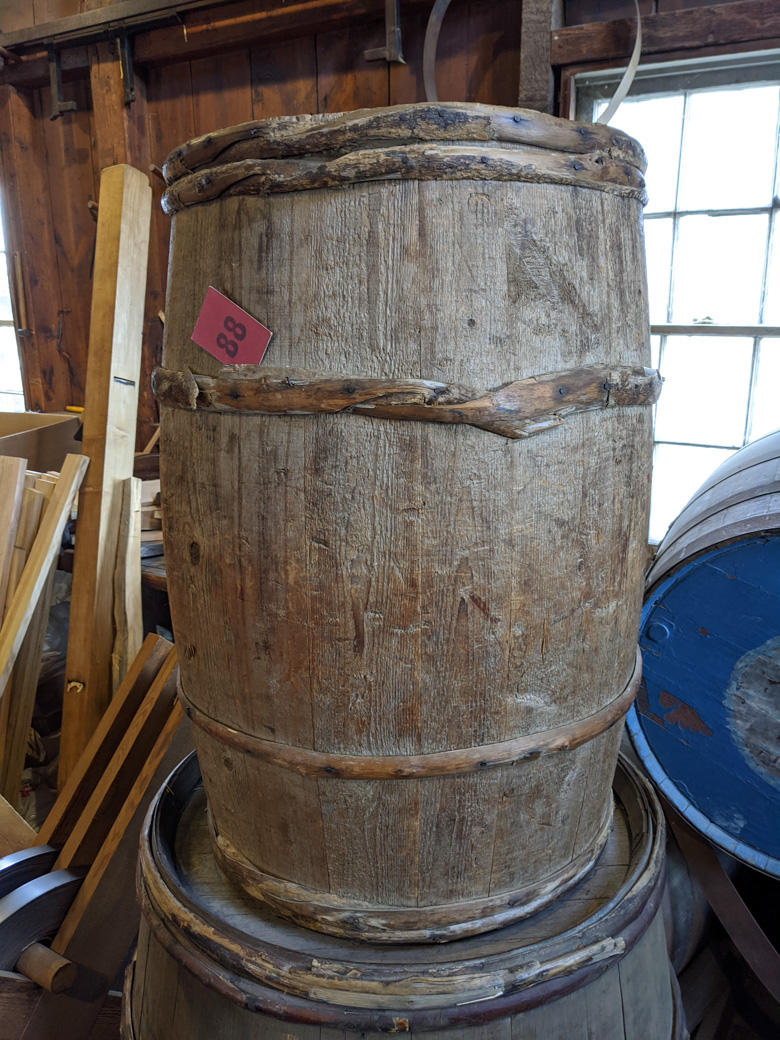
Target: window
(11, 392)
(712, 136)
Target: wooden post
(122, 136)
(537, 19)
(109, 440)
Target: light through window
(713, 256)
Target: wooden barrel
(405, 553)
(707, 718)
(211, 962)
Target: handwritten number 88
(238, 331)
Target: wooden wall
(253, 59)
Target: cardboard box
(44, 439)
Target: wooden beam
(536, 79)
(109, 439)
(748, 21)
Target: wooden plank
(109, 440)
(28, 195)
(104, 742)
(122, 136)
(127, 763)
(736, 23)
(11, 493)
(128, 611)
(536, 81)
(20, 694)
(29, 518)
(15, 833)
(39, 564)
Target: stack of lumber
(34, 509)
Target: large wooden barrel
(707, 721)
(213, 963)
(405, 553)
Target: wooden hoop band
(327, 766)
(418, 162)
(287, 136)
(369, 922)
(514, 410)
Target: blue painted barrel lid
(706, 723)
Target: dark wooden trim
(754, 21)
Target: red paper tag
(228, 333)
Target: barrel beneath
(210, 959)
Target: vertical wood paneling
(171, 120)
(284, 78)
(345, 80)
(494, 44)
(28, 197)
(221, 91)
(69, 155)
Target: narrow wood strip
(516, 410)
(287, 136)
(442, 763)
(104, 742)
(412, 162)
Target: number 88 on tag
(229, 333)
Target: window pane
(655, 351)
(657, 124)
(705, 393)
(718, 269)
(766, 396)
(6, 314)
(678, 473)
(658, 245)
(740, 175)
(772, 301)
(11, 402)
(10, 371)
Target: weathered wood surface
(519, 409)
(435, 161)
(206, 954)
(115, 335)
(342, 133)
(368, 588)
